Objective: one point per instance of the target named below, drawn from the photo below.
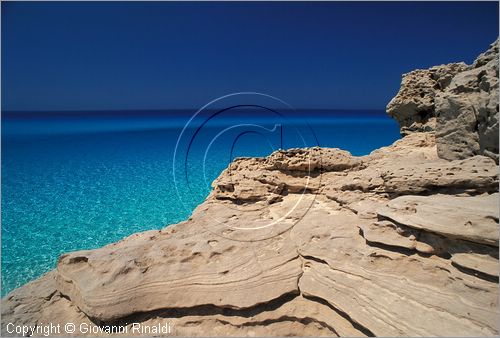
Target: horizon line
(175, 109)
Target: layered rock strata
(305, 242)
(399, 242)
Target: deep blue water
(75, 181)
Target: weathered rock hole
(78, 259)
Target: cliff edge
(457, 101)
(316, 242)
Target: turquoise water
(80, 181)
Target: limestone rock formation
(458, 102)
(312, 242)
(366, 251)
(476, 222)
(414, 105)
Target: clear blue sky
(158, 55)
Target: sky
(171, 55)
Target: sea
(83, 179)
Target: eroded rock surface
(476, 221)
(311, 242)
(414, 105)
(359, 248)
(457, 101)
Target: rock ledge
(315, 241)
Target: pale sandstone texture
(457, 101)
(305, 242)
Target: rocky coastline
(315, 241)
